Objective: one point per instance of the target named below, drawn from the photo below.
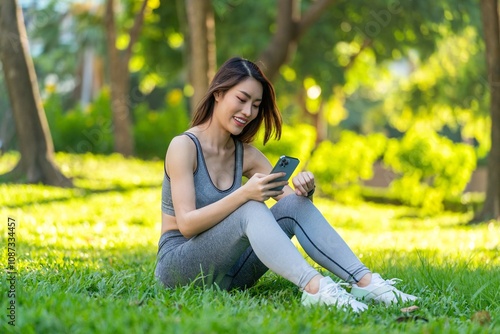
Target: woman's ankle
(365, 280)
(313, 286)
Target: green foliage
(339, 167)
(349, 52)
(296, 141)
(153, 130)
(78, 130)
(431, 168)
(86, 256)
(449, 89)
(91, 130)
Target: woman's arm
(180, 162)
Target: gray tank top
(205, 190)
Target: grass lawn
(85, 259)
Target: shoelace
(336, 291)
(391, 282)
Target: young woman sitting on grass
(218, 229)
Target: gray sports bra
(205, 190)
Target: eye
(241, 100)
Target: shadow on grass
(119, 282)
(83, 192)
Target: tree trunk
(290, 26)
(120, 79)
(202, 59)
(491, 26)
(33, 134)
(316, 119)
(284, 40)
(7, 131)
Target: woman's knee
(292, 203)
(294, 199)
(252, 207)
(253, 212)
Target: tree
(201, 35)
(120, 77)
(290, 26)
(491, 29)
(34, 139)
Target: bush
(91, 130)
(78, 130)
(431, 168)
(153, 130)
(339, 167)
(296, 141)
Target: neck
(212, 136)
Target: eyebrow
(248, 95)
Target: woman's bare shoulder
(254, 161)
(181, 153)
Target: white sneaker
(381, 291)
(330, 293)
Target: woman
(216, 230)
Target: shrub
(78, 130)
(91, 130)
(339, 167)
(296, 141)
(154, 130)
(431, 168)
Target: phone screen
(287, 165)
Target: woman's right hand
(259, 186)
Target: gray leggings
(236, 252)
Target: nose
(247, 110)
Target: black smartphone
(287, 165)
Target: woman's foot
(381, 291)
(332, 294)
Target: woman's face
(238, 106)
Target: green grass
(85, 261)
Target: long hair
(231, 73)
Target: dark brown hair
(231, 73)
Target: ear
(218, 95)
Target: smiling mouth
(240, 120)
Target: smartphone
(287, 165)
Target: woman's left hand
(303, 183)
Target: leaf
(481, 317)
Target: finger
(276, 184)
(269, 178)
(299, 186)
(308, 181)
(259, 175)
(299, 190)
(276, 175)
(277, 193)
(311, 179)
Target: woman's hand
(303, 183)
(259, 186)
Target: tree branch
(277, 50)
(135, 30)
(312, 14)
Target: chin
(236, 133)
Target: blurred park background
(394, 105)
(385, 100)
